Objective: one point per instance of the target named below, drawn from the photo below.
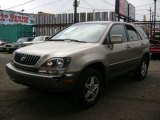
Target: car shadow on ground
(35, 104)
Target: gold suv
(81, 58)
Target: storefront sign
(8, 17)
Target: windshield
(21, 40)
(40, 38)
(82, 32)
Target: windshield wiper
(56, 40)
(73, 40)
(67, 39)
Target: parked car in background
(155, 44)
(156, 35)
(2, 44)
(81, 58)
(37, 39)
(10, 47)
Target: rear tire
(88, 88)
(142, 70)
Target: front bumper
(1, 48)
(56, 83)
(7, 49)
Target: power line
(89, 4)
(145, 5)
(86, 8)
(108, 3)
(94, 9)
(142, 14)
(97, 2)
(67, 10)
(63, 5)
(143, 10)
(19, 5)
(44, 5)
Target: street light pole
(154, 14)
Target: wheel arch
(100, 68)
(147, 56)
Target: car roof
(107, 22)
(42, 36)
(26, 37)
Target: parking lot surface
(124, 99)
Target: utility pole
(150, 22)
(150, 14)
(154, 14)
(93, 15)
(75, 10)
(117, 9)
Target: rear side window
(29, 39)
(118, 30)
(132, 33)
(46, 38)
(141, 31)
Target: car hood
(56, 49)
(32, 42)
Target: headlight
(55, 66)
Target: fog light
(48, 71)
(54, 72)
(42, 70)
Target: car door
(118, 53)
(137, 46)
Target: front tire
(88, 88)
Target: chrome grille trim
(25, 68)
(26, 59)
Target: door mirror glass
(115, 39)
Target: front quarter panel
(86, 57)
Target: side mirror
(115, 39)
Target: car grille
(26, 59)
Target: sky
(66, 6)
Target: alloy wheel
(91, 88)
(144, 68)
